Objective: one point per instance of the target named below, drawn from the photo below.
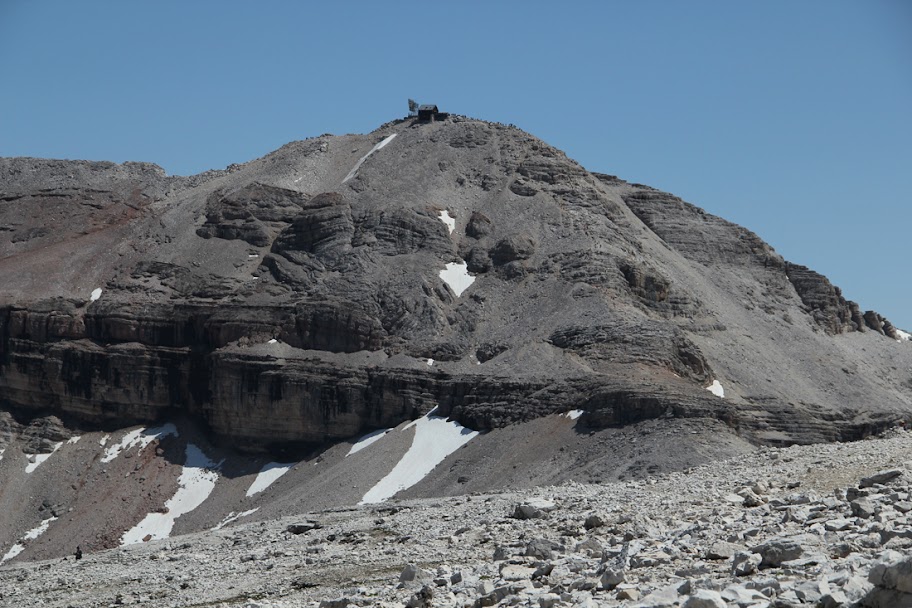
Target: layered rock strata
(284, 303)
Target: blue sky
(790, 118)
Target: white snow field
(716, 389)
(267, 475)
(573, 414)
(140, 437)
(37, 459)
(367, 440)
(357, 166)
(446, 219)
(196, 482)
(96, 293)
(435, 439)
(30, 535)
(903, 336)
(457, 277)
(234, 517)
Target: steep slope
(588, 293)
(345, 284)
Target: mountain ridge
(463, 273)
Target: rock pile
(784, 527)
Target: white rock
(894, 575)
(705, 598)
(745, 563)
(535, 508)
(741, 595)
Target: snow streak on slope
(37, 459)
(367, 440)
(267, 475)
(457, 277)
(196, 482)
(716, 389)
(13, 552)
(357, 166)
(234, 517)
(435, 439)
(446, 219)
(573, 414)
(903, 336)
(30, 535)
(140, 437)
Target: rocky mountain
(433, 309)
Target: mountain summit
(456, 272)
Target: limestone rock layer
(283, 304)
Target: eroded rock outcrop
(824, 300)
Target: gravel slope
(679, 531)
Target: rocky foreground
(819, 525)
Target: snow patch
(357, 166)
(903, 336)
(38, 530)
(96, 293)
(716, 389)
(430, 362)
(104, 440)
(36, 459)
(1, 453)
(234, 517)
(273, 341)
(457, 277)
(140, 437)
(73, 440)
(267, 475)
(30, 535)
(446, 219)
(13, 552)
(196, 482)
(573, 414)
(435, 439)
(367, 440)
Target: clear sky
(793, 119)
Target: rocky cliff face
(299, 298)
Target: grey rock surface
(589, 293)
(275, 312)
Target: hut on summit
(428, 113)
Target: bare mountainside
(564, 324)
